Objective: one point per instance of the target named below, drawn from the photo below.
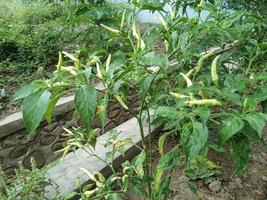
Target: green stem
(149, 140)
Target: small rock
(239, 182)
(264, 178)
(215, 186)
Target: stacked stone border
(63, 177)
(17, 146)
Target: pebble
(264, 178)
(215, 186)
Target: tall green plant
(209, 96)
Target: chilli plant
(207, 84)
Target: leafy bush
(208, 85)
(33, 32)
(29, 184)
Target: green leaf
(114, 196)
(183, 41)
(256, 121)
(169, 112)
(145, 85)
(50, 108)
(102, 110)
(194, 139)
(138, 164)
(33, 109)
(240, 149)
(166, 162)
(139, 189)
(217, 148)
(170, 159)
(161, 142)
(235, 83)
(160, 60)
(264, 106)
(85, 101)
(234, 97)
(229, 127)
(203, 112)
(24, 92)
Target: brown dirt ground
(250, 185)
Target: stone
(10, 171)
(114, 113)
(51, 127)
(19, 151)
(113, 105)
(122, 119)
(264, 178)
(37, 156)
(57, 146)
(66, 172)
(47, 139)
(14, 139)
(215, 186)
(109, 125)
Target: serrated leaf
(166, 162)
(229, 127)
(240, 149)
(169, 159)
(194, 140)
(138, 164)
(85, 101)
(33, 109)
(256, 121)
(161, 142)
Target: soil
(250, 185)
(11, 81)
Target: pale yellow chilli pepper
(208, 102)
(214, 75)
(122, 19)
(108, 62)
(70, 56)
(188, 74)
(200, 4)
(99, 73)
(125, 178)
(202, 59)
(90, 192)
(134, 29)
(178, 96)
(188, 81)
(166, 43)
(119, 99)
(70, 70)
(137, 35)
(163, 22)
(60, 61)
(171, 12)
(113, 30)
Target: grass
(33, 33)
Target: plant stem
(149, 139)
(146, 160)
